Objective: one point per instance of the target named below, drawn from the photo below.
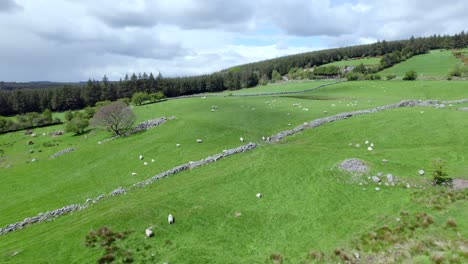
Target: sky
(70, 40)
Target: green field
(306, 205)
(278, 88)
(355, 62)
(435, 65)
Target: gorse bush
(410, 76)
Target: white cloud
(67, 40)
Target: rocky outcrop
(60, 153)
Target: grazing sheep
(367, 142)
(358, 145)
(369, 148)
(371, 144)
(289, 124)
(199, 141)
(149, 232)
(145, 163)
(141, 157)
(377, 188)
(212, 110)
(177, 145)
(152, 160)
(241, 139)
(259, 195)
(263, 138)
(134, 174)
(170, 219)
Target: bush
(410, 76)
(391, 77)
(439, 175)
(352, 76)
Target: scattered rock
(459, 184)
(237, 214)
(375, 179)
(30, 142)
(60, 153)
(390, 177)
(384, 161)
(421, 172)
(377, 188)
(463, 109)
(28, 132)
(118, 191)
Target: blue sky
(63, 40)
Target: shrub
(439, 175)
(391, 76)
(410, 76)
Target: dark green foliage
(391, 76)
(77, 125)
(352, 76)
(410, 76)
(68, 115)
(139, 98)
(275, 76)
(439, 175)
(331, 70)
(27, 121)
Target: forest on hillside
(71, 97)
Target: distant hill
(35, 85)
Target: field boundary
(47, 216)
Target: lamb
(152, 160)
(241, 139)
(259, 195)
(149, 232)
(177, 145)
(134, 174)
(199, 141)
(170, 219)
(141, 157)
(145, 163)
(369, 148)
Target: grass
(355, 62)
(279, 87)
(305, 207)
(435, 65)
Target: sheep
(369, 148)
(149, 232)
(241, 139)
(377, 188)
(367, 142)
(134, 174)
(371, 144)
(263, 138)
(177, 145)
(141, 157)
(259, 195)
(170, 219)
(358, 145)
(152, 160)
(421, 172)
(212, 110)
(145, 163)
(199, 141)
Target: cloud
(7, 6)
(75, 40)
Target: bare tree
(115, 117)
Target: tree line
(71, 97)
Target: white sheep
(149, 232)
(241, 139)
(263, 138)
(152, 160)
(369, 148)
(141, 157)
(199, 141)
(367, 142)
(145, 163)
(177, 145)
(259, 195)
(170, 219)
(134, 174)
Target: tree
(115, 117)
(410, 76)
(439, 175)
(68, 115)
(139, 98)
(77, 125)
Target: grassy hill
(306, 206)
(355, 62)
(435, 65)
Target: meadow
(307, 205)
(434, 65)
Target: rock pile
(60, 153)
(147, 125)
(354, 165)
(118, 191)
